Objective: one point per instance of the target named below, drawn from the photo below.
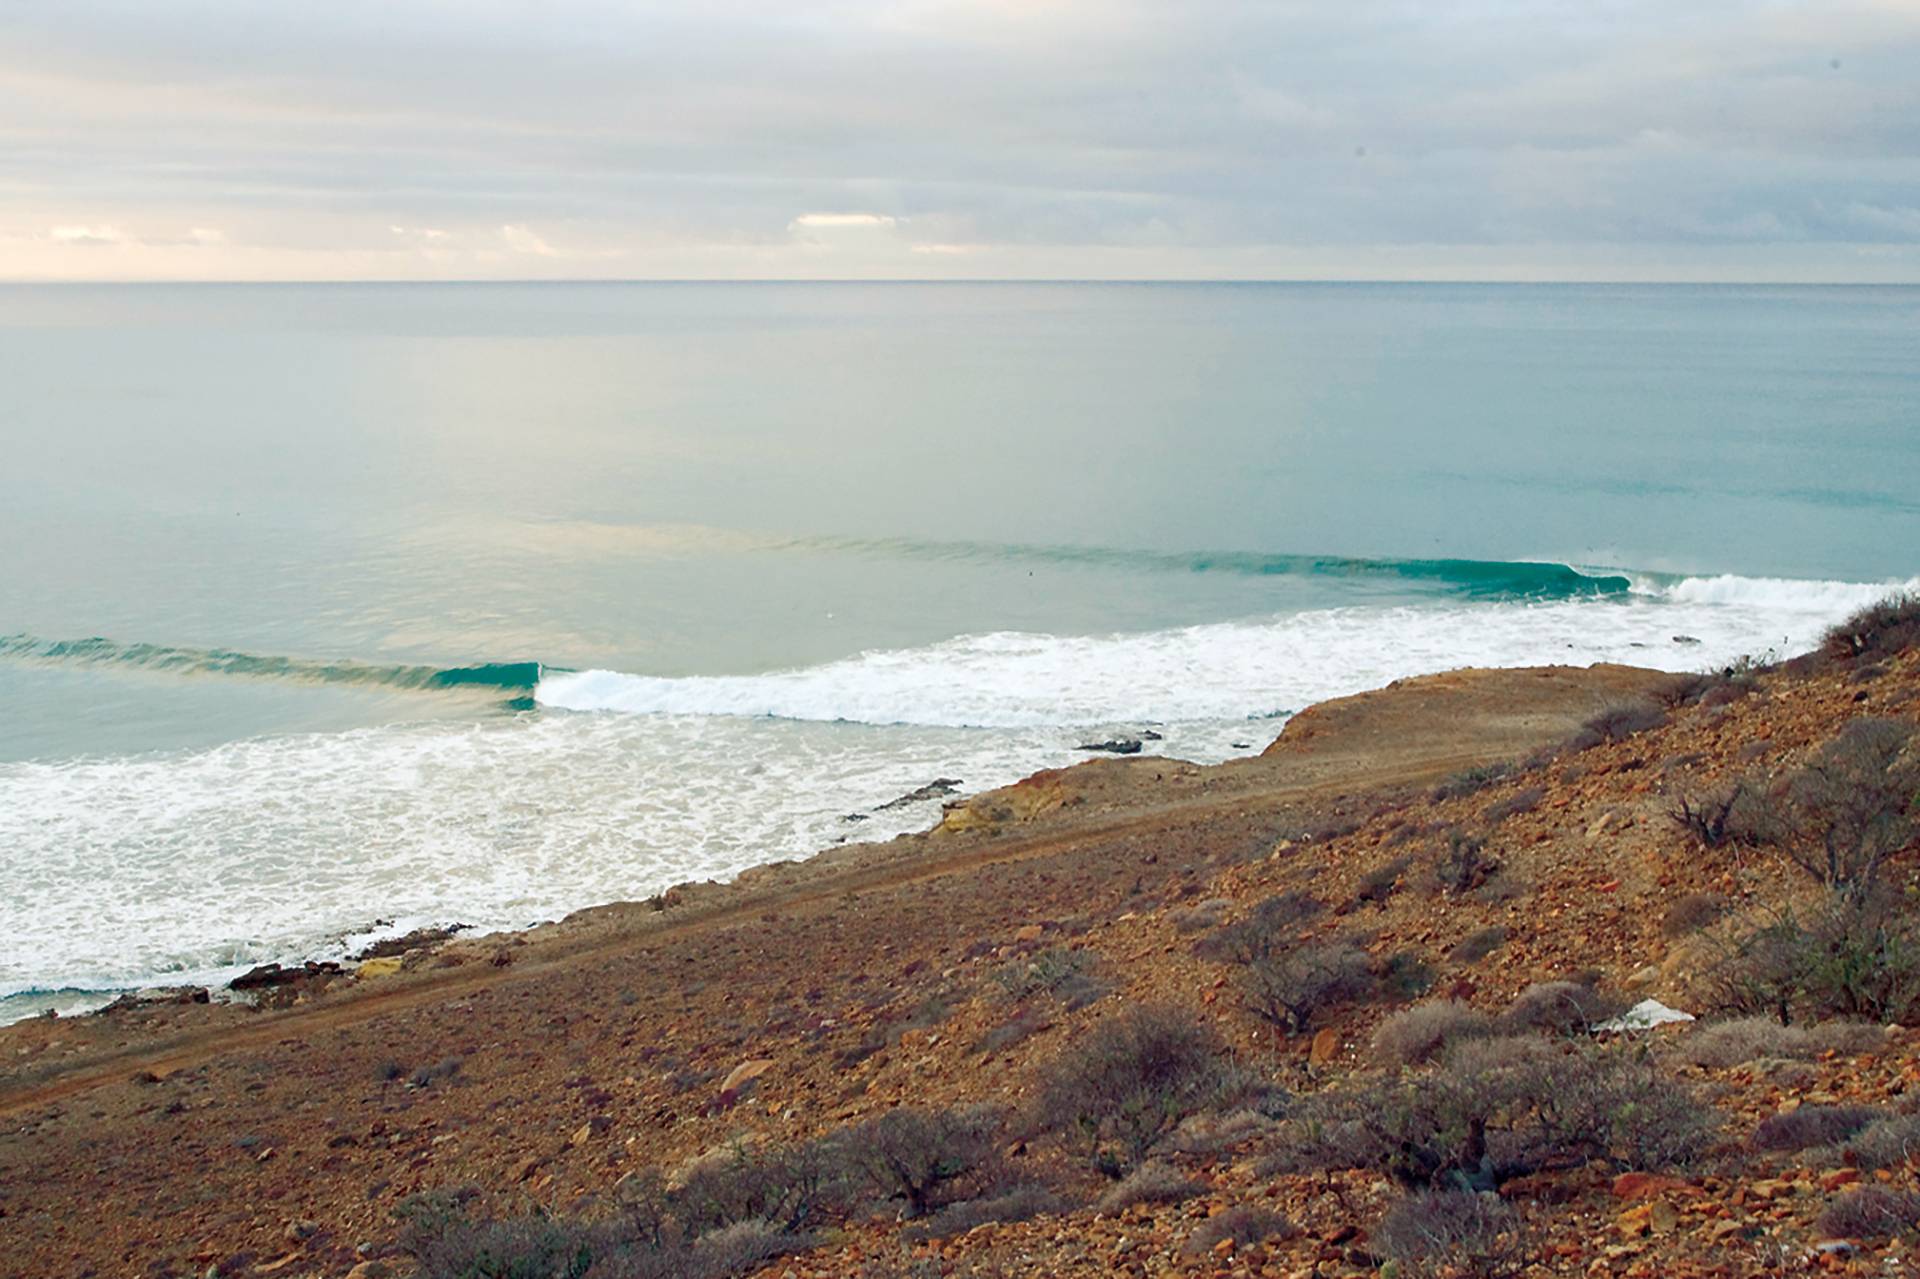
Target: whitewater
(192, 865)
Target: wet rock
(418, 939)
(1113, 746)
(268, 976)
(158, 996)
(938, 788)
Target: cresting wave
(1236, 670)
(515, 678)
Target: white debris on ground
(1644, 1015)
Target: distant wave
(1517, 579)
(514, 678)
(1508, 578)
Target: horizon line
(28, 281)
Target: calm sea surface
(326, 611)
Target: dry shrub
(1498, 1109)
(1470, 781)
(1692, 913)
(1129, 1081)
(1723, 1044)
(1063, 974)
(1893, 1142)
(1620, 721)
(1476, 946)
(1560, 1008)
(1021, 1203)
(1464, 864)
(1422, 1032)
(1452, 1232)
(1853, 805)
(1812, 1126)
(1871, 1212)
(1885, 628)
(1294, 987)
(1243, 1224)
(1379, 884)
(1712, 818)
(1201, 916)
(1845, 956)
(922, 1157)
(1152, 1182)
(1521, 801)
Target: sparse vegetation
(1379, 884)
(1243, 1224)
(1692, 913)
(1128, 1081)
(920, 1157)
(1893, 1142)
(1453, 1232)
(1710, 817)
(1560, 1008)
(1849, 808)
(1524, 800)
(1464, 864)
(1838, 957)
(1152, 1182)
(1806, 1126)
(1618, 722)
(1494, 1110)
(1871, 1212)
(1420, 1033)
(1068, 976)
(1470, 781)
(1888, 627)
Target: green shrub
(1841, 957)
(1853, 805)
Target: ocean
(331, 611)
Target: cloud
(486, 138)
(819, 221)
(87, 235)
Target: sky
(1138, 139)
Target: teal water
(491, 601)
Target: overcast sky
(415, 139)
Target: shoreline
(1328, 746)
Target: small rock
(746, 1072)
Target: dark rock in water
(156, 996)
(1114, 746)
(1685, 639)
(1148, 735)
(853, 817)
(411, 941)
(1241, 746)
(267, 976)
(934, 789)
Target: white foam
(1827, 600)
(1232, 670)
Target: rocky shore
(1444, 848)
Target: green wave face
(1512, 579)
(516, 678)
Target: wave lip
(518, 678)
